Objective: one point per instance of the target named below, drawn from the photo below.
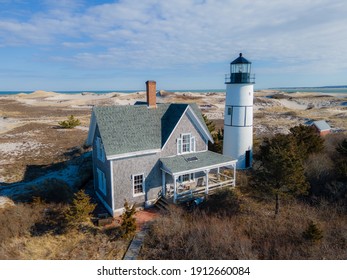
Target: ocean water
(323, 90)
(108, 91)
(70, 91)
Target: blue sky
(182, 44)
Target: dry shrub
(290, 114)
(332, 141)
(16, 221)
(336, 192)
(39, 231)
(319, 169)
(279, 96)
(259, 115)
(333, 222)
(224, 202)
(242, 178)
(70, 246)
(275, 238)
(252, 234)
(196, 236)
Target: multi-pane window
(186, 144)
(138, 184)
(186, 178)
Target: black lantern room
(240, 71)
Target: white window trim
(179, 146)
(192, 144)
(143, 184)
(101, 181)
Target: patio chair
(200, 182)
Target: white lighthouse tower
(238, 115)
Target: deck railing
(215, 182)
(240, 78)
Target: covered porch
(192, 175)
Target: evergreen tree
(280, 172)
(342, 148)
(80, 209)
(217, 146)
(313, 232)
(71, 122)
(307, 140)
(220, 134)
(210, 124)
(128, 226)
(341, 162)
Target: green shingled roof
(194, 161)
(133, 128)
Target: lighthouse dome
(240, 71)
(240, 60)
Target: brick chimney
(151, 94)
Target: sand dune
(36, 94)
(212, 104)
(30, 134)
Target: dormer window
(185, 144)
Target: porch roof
(194, 162)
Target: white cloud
(186, 32)
(157, 34)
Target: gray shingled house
(144, 151)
